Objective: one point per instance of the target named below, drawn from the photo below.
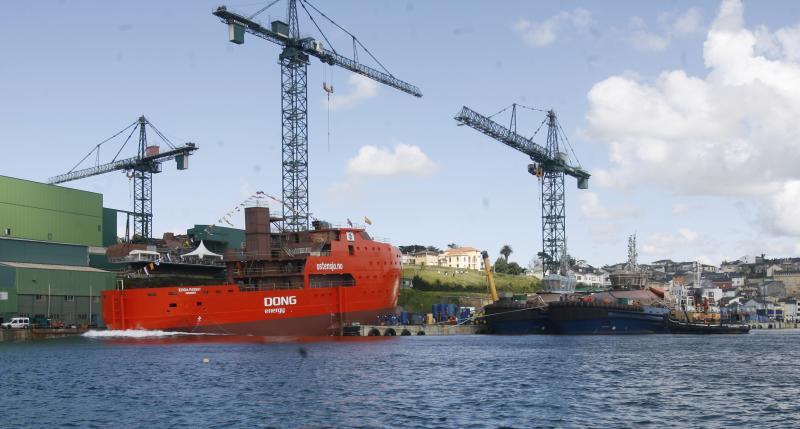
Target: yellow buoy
(206, 360)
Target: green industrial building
(47, 235)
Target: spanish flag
(367, 221)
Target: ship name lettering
(275, 301)
(330, 266)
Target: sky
(684, 113)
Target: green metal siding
(38, 211)
(38, 252)
(35, 281)
(109, 227)
(8, 285)
(219, 238)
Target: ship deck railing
(127, 259)
(269, 286)
(238, 255)
(260, 271)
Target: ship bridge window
(317, 281)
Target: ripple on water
(475, 382)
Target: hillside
(434, 285)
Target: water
(448, 382)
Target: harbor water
(188, 381)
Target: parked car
(17, 323)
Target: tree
(506, 251)
(412, 248)
(433, 249)
(500, 266)
(452, 245)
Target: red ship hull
(355, 279)
(225, 309)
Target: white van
(17, 323)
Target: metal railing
(267, 271)
(269, 286)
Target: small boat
(676, 326)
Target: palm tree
(506, 251)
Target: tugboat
(687, 318)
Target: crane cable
(349, 34)
(97, 147)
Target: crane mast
(294, 59)
(550, 166)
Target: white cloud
(690, 22)
(403, 160)
(363, 88)
(592, 208)
(644, 39)
(731, 132)
(660, 244)
(679, 209)
(546, 32)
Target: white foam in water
(133, 333)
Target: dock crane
(294, 59)
(550, 165)
(140, 168)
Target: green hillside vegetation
(422, 301)
(444, 279)
(434, 285)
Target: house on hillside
(790, 279)
(426, 258)
(462, 257)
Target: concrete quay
(408, 330)
(775, 325)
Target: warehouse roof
(51, 267)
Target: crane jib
(525, 145)
(309, 46)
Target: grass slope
(433, 285)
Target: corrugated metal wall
(9, 291)
(37, 211)
(219, 239)
(33, 281)
(43, 253)
(109, 227)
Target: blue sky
(684, 113)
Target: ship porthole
(405, 333)
(374, 332)
(390, 333)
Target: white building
(462, 257)
(426, 258)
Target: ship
(628, 308)
(614, 312)
(306, 283)
(517, 315)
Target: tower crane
(550, 165)
(294, 60)
(140, 168)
